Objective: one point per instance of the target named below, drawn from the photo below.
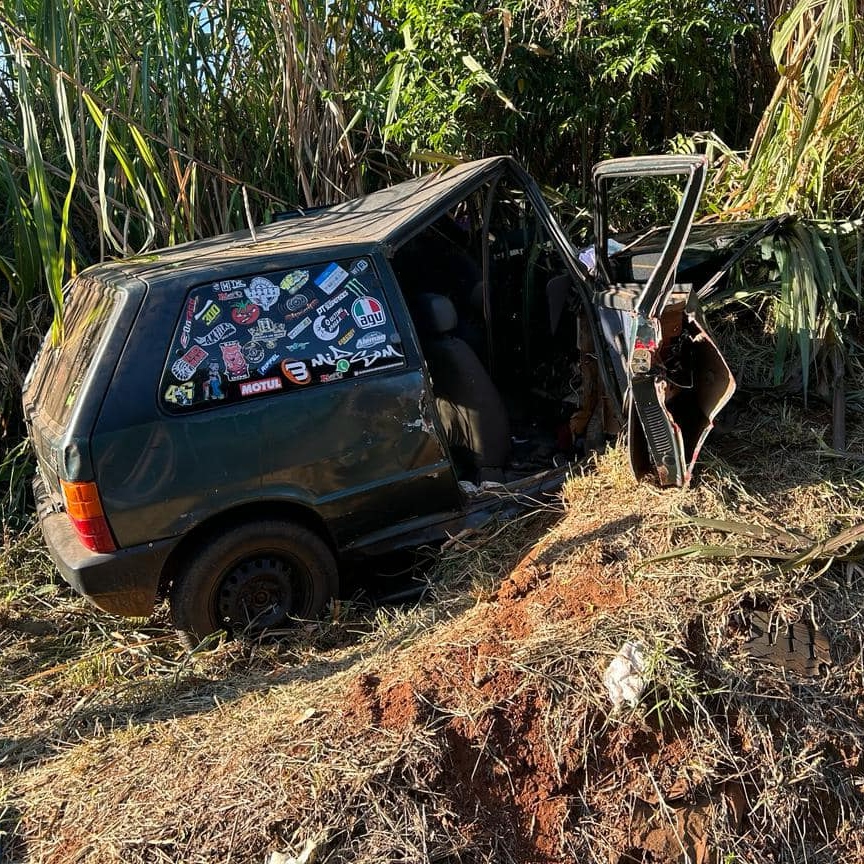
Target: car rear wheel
(258, 576)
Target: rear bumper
(124, 582)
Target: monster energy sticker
(356, 287)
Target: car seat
(469, 405)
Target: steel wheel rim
(258, 593)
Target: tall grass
(805, 158)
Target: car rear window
(61, 369)
(241, 338)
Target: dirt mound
(499, 769)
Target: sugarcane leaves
(789, 550)
(52, 254)
(108, 140)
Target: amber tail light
(85, 510)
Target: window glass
(61, 369)
(241, 338)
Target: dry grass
(475, 727)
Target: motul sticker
(331, 278)
(265, 385)
(262, 292)
(217, 334)
(296, 371)
(184, 368)
(236, 367)
(368, 312)
(294, 281)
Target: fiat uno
(228, 422)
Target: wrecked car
(228, 421)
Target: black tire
(257, 576)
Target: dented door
(674, 378)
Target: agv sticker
(367, 313)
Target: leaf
(52, 262)
(482, 75)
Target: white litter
(623, 676)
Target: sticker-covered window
(242, 338)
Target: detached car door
(673, 376)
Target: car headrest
(434, 313)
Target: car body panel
(676, 379)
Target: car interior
(490, 300)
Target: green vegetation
(125, 128)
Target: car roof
(389, 216)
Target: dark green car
(227, 421)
